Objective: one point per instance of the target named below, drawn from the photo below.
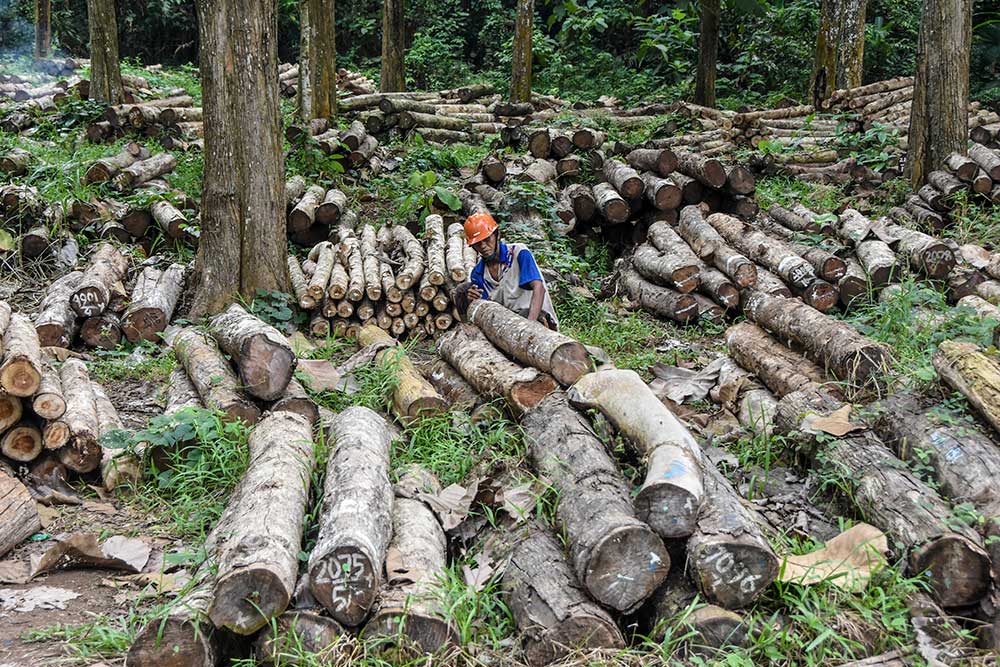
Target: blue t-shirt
(525, 263)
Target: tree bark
(82, 453)
(153, 302)
(520, 80)
(318, 60)
(468, 350)
(969, 370)
(416, 259)
(841, 349)
(106, 268)
(117, 467)
(345, 566)
(408, 608)
(672, 492)
(545, 598)
(824, 78)
(732, 561)
(781, 369)
(56, 323)
(105, 72)
(393, 77)
(263, 356)
(241, 249)
(625, 179)
(143, 171)
(260, 530)
(710, 12)
(617, 557)
(661, 301)
(48, 402)
(530, 342)
(43, 29)
(21, 370)
(19, 518)
(413, 396)
(895, 501)
(211, 374)
(938, 114)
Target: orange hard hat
(478, 227)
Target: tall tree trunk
(105, 71)
(318, 60)
(708, 51)
(43, 28)
(520, 80)
(852, 43)
(824, 78)
(242, 249)
(393, 38)
(938, 124)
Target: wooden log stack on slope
(618, 559)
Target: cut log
(582, 199)
(530, 342)
(718, 288)
(841, 349)
(82, 453)
(325, 258)
(987, 159)
(732, 562)
(617, 557)
(21, 442)
(827, 265)
(678, 264)
(976, 375)
(661, 301)
(468, 350)
(117, 467)
(144, 170)
(106, 268)
(878, 261)
(624, 178)
(172, 222)
(19, 518)
(454, 257)
(299, 284)
(297, 400)
(672, 492)
(35, 242)
(355, 522)
(707, 171)
(792, 220)
(332, 207)
(265, 360)
(21, 370)
(740, 180)
(303, 215)
(708, 245)
(370, 263)
(661, 193)
(705, 628)
(539, 143)
(211, 374)
(662, 162)
(102, 331)
(294, 633)
(339, 279)
(436, 264)
(545, 598)
(892, 499)
(587, 139)
(690, 188)
(924, 253)
(257, 560)
(778, 367)
(413, 397)
(611, 205)
(408, 608)
(153, 302)
(415, 262)
(295, 187)
(48, 402)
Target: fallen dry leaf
(452, 504)
(518, 501)
(682, 385)
(847, 561)
(15, 572)
(160, 583)
(319, 374)
(477, 577)
(82, 549)
(100, 508)
(39, 597)
(836, 423)
(47, 514)
(300, 344)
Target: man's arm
(537, 288)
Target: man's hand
(475, 293)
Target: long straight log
(468, 350)
(82, 453)
(672, 493)
(969, 370)
(895, 501)
(265, 360)
(530, 342)
(355, 522)
(779, 368)
(709, 246)
(413, 396)
(616, 557)
(153, 302)
(661, 301)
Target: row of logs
(355, 144)
(354, 83)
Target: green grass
(151, 363)
(104, 637)
(787, 192)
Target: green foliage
(480, 617)
(375, 383)
(425, 194)
(973, 220)
(872, 148)
(103, 637)
(787, 192)
(308, 159)
(277, 309)
(435, 59)
(205, 457)
(141, 361)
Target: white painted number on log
(726, 570)
(86, 303)
(348, 577)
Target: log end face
(717, 627)
(246, 599)
(144, 324)
(243, 411)
(422, 633)
(570, 362)
(670, 510)
(81, 455)
(345, 583)
(822, 296)
(266, 368)
(20, 379)
(526, 395)
(52, 335)
(732, 575)
(575, 633)
(958, 570)
(626, 566)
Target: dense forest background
(631, 49)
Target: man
(506, 273)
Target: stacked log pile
(356, 144)
(389, 278)
(172, 118)
(353, 83)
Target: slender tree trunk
(242, 249)
(520, 81)
(852, 43)
(393, 39)
(708, 51)
(824, 77)
(105, 71)
(318, 60)
(43, 28)
(938, 123)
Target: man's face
(487, 248)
